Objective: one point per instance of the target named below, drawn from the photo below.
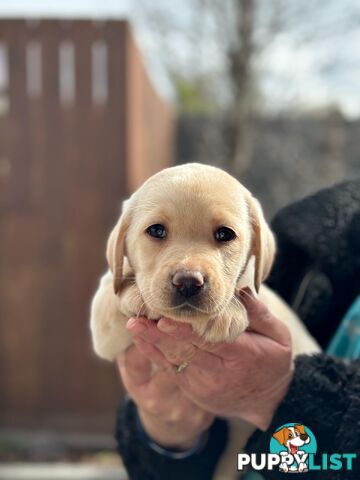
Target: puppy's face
(292, 437)
(191, 235)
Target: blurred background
(95, 96)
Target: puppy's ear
(263, 242)
(300, 428)
(280, 435)
(115, 250)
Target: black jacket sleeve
(143, 463)
(325, 396)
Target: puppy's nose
(188, 283)
(304, 436)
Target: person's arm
(145, 459)
(325, 396)
(165, 435)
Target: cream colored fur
(192, 201)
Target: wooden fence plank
(70, 168)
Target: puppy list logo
(294, 443)
(293, 448)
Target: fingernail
(131, 322)
(136, 324)
(166, 326)
(246, 296)
(246, 293)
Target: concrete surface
(59, 471)
(37, 439)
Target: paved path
(62, 471)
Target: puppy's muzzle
(187, 283)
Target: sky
(322, 69)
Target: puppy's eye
(224, 234)
(290, 435)
(156, 231)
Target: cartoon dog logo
(292, 438)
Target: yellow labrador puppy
(186, 241)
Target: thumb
(262, 321)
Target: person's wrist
(168, 434)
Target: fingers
(152, 353)
(181, 331)
(140, 380)
(177, 330)
(171, 349)
(141, 325)
(134, 366)
(175, 350)
(262, 321)
(217, 352)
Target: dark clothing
(317, 270)
(317, 267)
(324, 395)
(143, 463)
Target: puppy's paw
(108, 328)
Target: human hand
(169, 417)
(247, 378)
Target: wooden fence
(80, 127)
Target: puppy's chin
(185, 313)
(190, 313)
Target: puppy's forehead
(200, 188)
(195, 174)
